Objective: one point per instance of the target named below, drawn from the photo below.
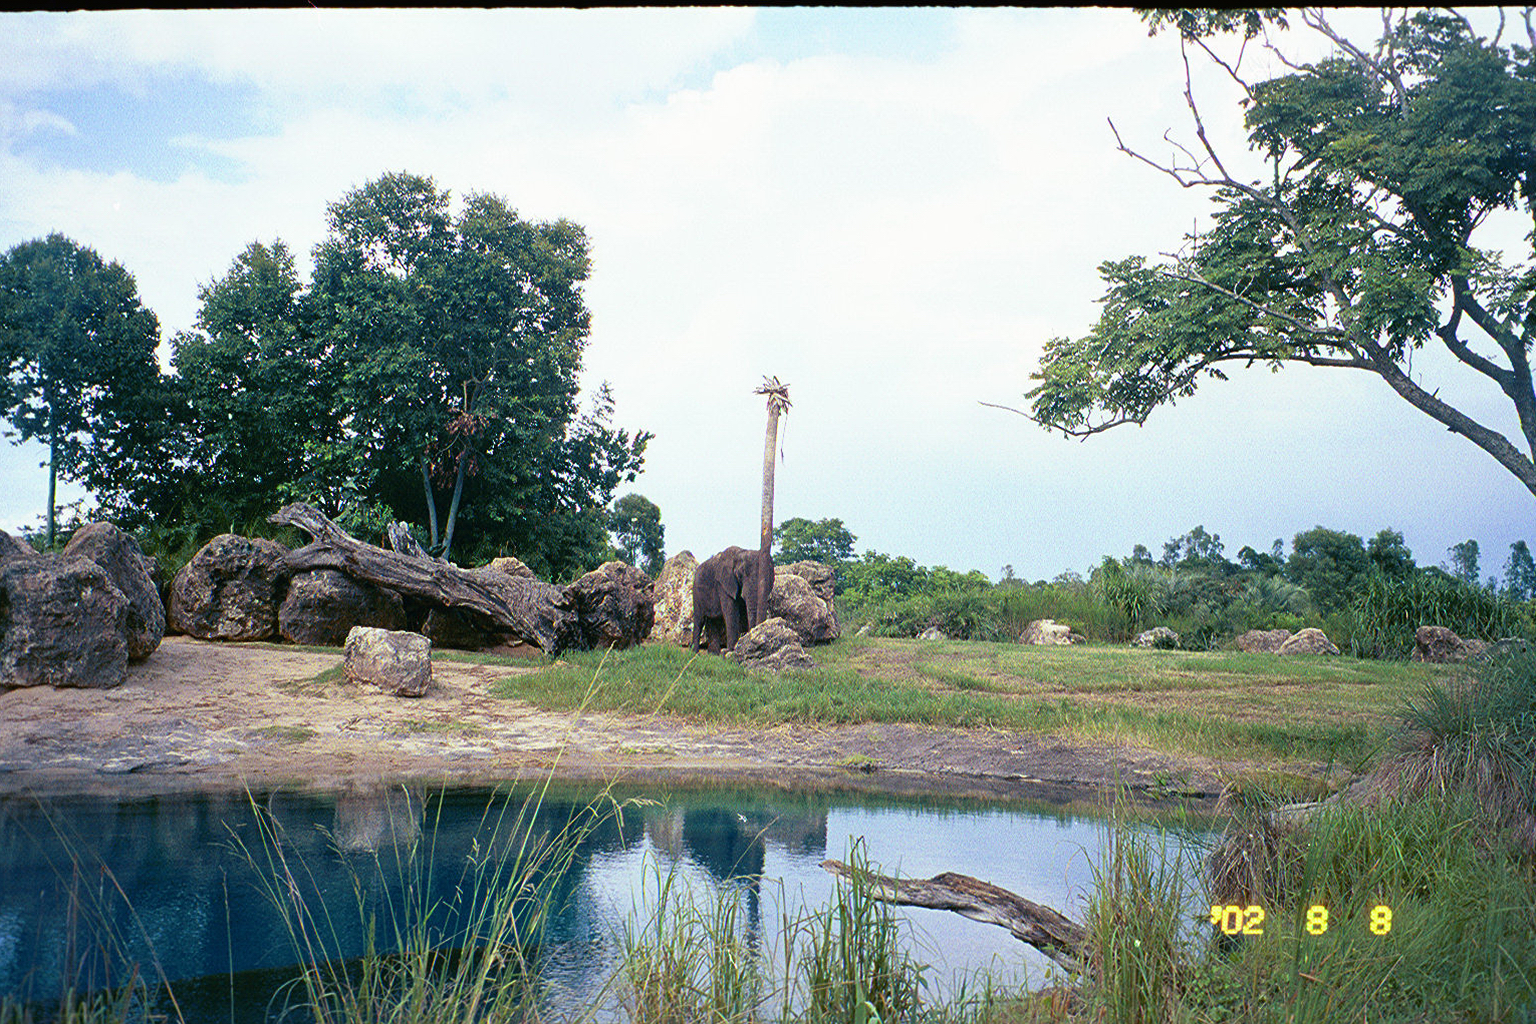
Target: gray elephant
(734, 586)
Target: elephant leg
(732, 623)
(698, 629)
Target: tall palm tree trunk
(778, 403)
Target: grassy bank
(1208, 704)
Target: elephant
(734, 586)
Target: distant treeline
(1368, 596)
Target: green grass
(1219, 704)
(287, 733)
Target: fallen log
(1058, 937)
(532, 610)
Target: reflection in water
(192, 868)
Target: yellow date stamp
(1238, 920)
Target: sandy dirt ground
(210, 716)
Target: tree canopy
(77, 364)
(635, 523)
(427, 373)
(1361, 246)
(826, 541)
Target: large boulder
(1262, 641)
(461, 630)
(615, 604)
(229, 591)
(1308, 641)
(125, 565)
(772, 645)
(1158, 637)
(322, 607)
(795, 600)
(1048, 632)
(822, 578)
(674, 600)
(1439, 645)
(397, 661)
(62, 623)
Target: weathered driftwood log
(1056, 936)
(532, 610)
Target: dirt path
(207, 716)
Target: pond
(176, 883)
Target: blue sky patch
(144, 131)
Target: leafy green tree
(429, 373)
(826, 541)
(1265, 563)
(1359, 246)
(1328, 563)
(1520, 572)
(1464, 561)
(1195, 548)
(260, 394)
(1388, 553)
(876, 576)
(77, 367)
(635, 523)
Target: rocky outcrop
(1439, 645)
(772, 645)
(615, 604)
(1158, 637)
(229, 591)
(932, 633)
(322, 607)
(399, 662)
(1048, 632)
(798, 601)
(1308, 641)
(62, 623)
(1262, 641)
(674, 600)
(120, 556)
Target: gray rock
(674, 600)
(509, 566)
(461, 630)
(615, 604)
(772, 645)
(1262, 641)
(932, 633)
(1439, 645)
(229, 591)
(1159, 637)
(1308, 641)
(796, 600)
(397, 661)
(822, 578)
(124, 562)
(62, 623)
(322, 607)
(1047, 632)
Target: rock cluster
(76, 618)
(802, 595)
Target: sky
(890, 210)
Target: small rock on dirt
(397, 661)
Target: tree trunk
(1051, 933)
(53, 481)
(453, 507)
(426, 483)
(768, 445)
(532, 610)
